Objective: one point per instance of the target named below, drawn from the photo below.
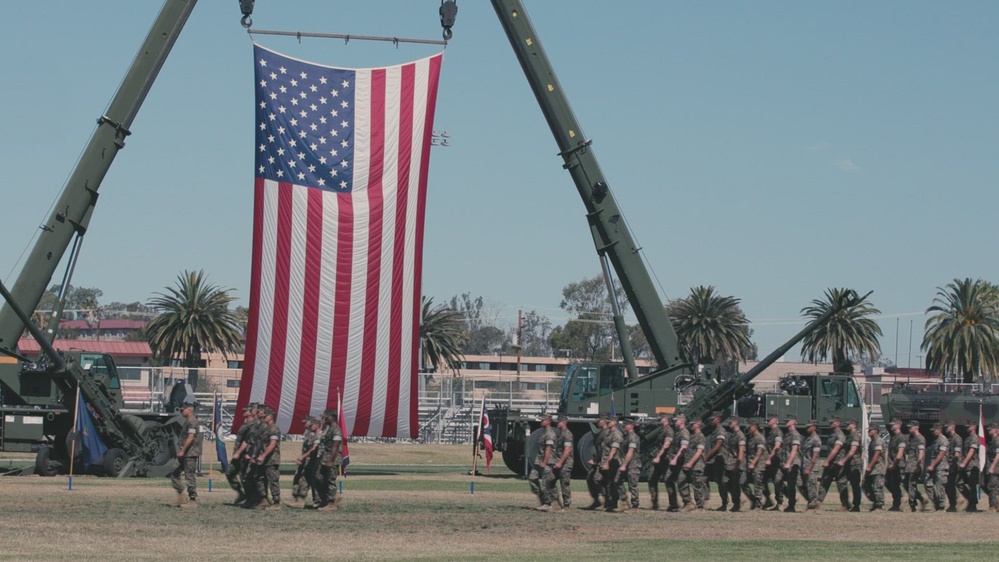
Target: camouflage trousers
(629, 477)
(716, 473)
(672, 477)
(950, 488)
(893, 481)
(810, 486)
(692, 478)
(936, 487)
(268, 479)
(754, 487)
(537, 478)
(992, 489)
(772, 475)
(558, 477)
(790, 482)
(325, 483)
(611, 480)
(830, 474)
(304, 480)
(594, 482)
(234, 476)
(874, 489)
(848, 483)
(188, 466)
(732, 482)
(659, 472)
(911, 483)
(968, 485)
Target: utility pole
(518, 342)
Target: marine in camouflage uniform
(541, 467)
(329, 454)
(771, 465)
(187, 459)
(305, 472)
(631, 466)
(594, 480)
(660, 463)
(831, 467)
(992, 468)
(677, 453)
(235, 473)
(936, 471)
(811, 451)
(735, 463)
(896, 464)
(969, 470)
(956, 445)
(877, 465)
(562, 469)
(756, 452)
(610, 462)
(268, 462)
(852, 464)
(715, 459)
(914, 462)
(791, 466)
(693, 470)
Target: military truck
(592, 388)
(928, 404)
(38, 398)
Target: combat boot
(767, 505)
(688, 507)
(262, 504)
(177, 502)
(595, 505)
(190, 504)
(275, 507)
(894, 508)
(327, 507)
(843, 508)
(543, 507)
(992, 509)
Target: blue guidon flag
(341, 169)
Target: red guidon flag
(339, 196)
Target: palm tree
(442, 336)
(710, 327)
(194, 318)
(963, 334)
(849, 332)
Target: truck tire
(45, 463)
(162, 455)
(114, 462)
(513, 457)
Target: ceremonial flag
(981, 446)
(487, 435)
(341, 169)
(220, 451)
(342, 420)
(91, 444)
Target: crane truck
(38, 397)
(592, 388)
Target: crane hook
(246, 6)
(448, 11)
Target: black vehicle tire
(584, 450)
(114, 462)
(513, 457)
(162, 455)
(45, 463)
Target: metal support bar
(347, 38)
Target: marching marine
(677, 453)
(236, 474)
(594, 480)
(660, 463)
(791, 456)
(969, 469)
(811, 451)
(756, 449)
(543, 462)
(715, 459)
(187, 457)
(896, 464)
(305, 473)
(772, 474)
(936, 471)
(693, 470)
(914, 461)
(562, 470)
(329, 454)
(877, 465)
(268, 462)
(735, 464)
(631, 467)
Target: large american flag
(339, 197)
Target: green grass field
(414, 503)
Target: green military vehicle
(38, 398)
(590, 389)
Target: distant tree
(639, 343)
(194, 317)
(128, 311)
(441, 336)
(589, 334)
(962, 335)
(851, 331)
(534, 331)
(711, 328)
(482, 335)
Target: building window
(129, 374)
(234, 364)
(232, 383)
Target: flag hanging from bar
(487, 435)
(92, 446)
(342, 159)
(344, 453)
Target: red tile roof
(28, 346)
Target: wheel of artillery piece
(114, 462)
(162, 443)
(584, 450)
(513, 457)
(45, 463)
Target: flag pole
(215, 430)
(475, 447)
(76, 435)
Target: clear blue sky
(770, 149)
